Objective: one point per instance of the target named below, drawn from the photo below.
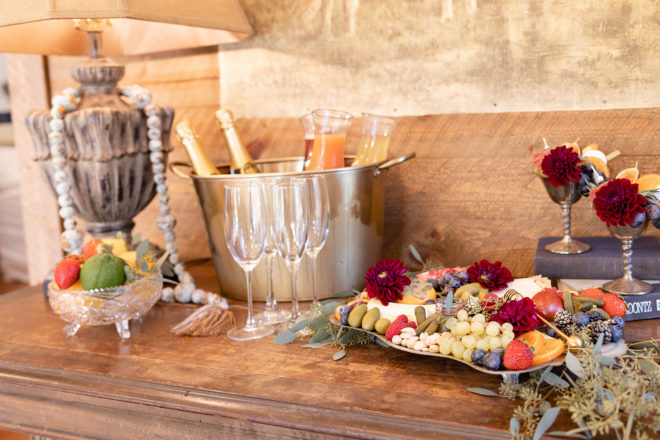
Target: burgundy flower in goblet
(617, 202)
(560, 165)
(386, 280)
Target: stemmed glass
(627, 284)
(317, 232)
(565, 196)
(272, 314)
(245, 233)
(290, 222)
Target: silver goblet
(565, 196)
(627, 285)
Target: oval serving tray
(505, 373)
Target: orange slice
(550, 349)
(599, 163)
(648, 181)
(574, 146)
(533, 340)
(632, 174)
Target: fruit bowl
(114, 305)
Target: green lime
(101, 271)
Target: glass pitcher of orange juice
(375, 140)
(330, 127)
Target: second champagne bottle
(240, 159)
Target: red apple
(547, 303)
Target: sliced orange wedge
(550, 349)
(533, 340)
(648, 181)
(632, 174)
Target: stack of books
(604, 263)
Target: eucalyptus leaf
(162, 280)
(514, 426)
(545, 373)
(330, 307)
(144, 267)
(300, 325)
(347, 337)
(317, 324)
(555, 381)
(604, 360)
(448, 303)
(343, 294)
(483, 392)
(136, 239)
(381, 342)
(167, 269)
(599, 343)
(142, 250)
(318, 344)
(320, 336)
(546, 422)
(647, 366)
(339, 355)
(650, 396)
(565, 434)
(415, 254)
(573, 364)
(284, 338)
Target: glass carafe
(375, 140)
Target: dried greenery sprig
(601, 394)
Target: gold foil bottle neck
(198, 158)
(241, 161)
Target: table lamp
(104, 148)
(106, 154)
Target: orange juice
(373, 149)
(327, 152)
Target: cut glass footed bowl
(114, 305)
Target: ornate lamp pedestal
(106, 150)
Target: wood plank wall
(469, 194)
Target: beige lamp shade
(138, 26)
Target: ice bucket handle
(393, 162)
(174, 168)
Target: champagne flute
(319, 224)
(245, 233)
(272, 314)
(290, 222)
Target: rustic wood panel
(471, 193)
(158, 385)
(29, 90)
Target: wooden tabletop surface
(161, 386)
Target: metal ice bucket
(355, 237)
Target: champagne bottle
(241, 162)
(200, 161)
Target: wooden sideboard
(157, 385)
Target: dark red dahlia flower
(617, 202)
(561, 166)
(521, 314)
(491, 276)
(386, 280)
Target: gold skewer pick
(574, 342)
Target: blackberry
(598, 327)
(473, 305)
(563, 319)
(594, 316)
